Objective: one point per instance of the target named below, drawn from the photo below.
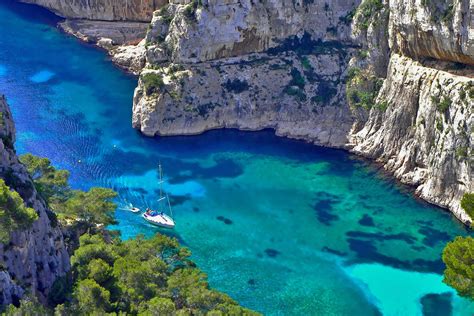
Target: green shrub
(462, 152)
(366, 12)
(347, 19)
(382, 106)
(306, 63)
(297, 78)
(236, 85)
(439, 124)
(190, 10)
(362, 88)
(88, 208)
(295, 92)
(444, 104)
(165, 15)
(152, 82)
(458, 256)
(140, 276)
(14, 214)
(467, 203)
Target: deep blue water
(282, 226)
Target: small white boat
(130, 208)
(159, 218)
(134, 209)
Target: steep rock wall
(34, 258)
(248, 65)
(297, 95)
(440, 29)
(426, 134)
(225, 28)
(105, 10)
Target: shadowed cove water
(281, 226)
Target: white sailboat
(158, 217)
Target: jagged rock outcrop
(226, 28)
(297, 95)
(35, 257)
(440, 29)
(426, 134)
(253, 65)
(130, 57)
(115, 25)
(247, 65)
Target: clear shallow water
(281, 226)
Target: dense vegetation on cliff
(459, 258)
(467, 203)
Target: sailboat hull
(160, 220)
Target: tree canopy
(13, 212)
(92, 207)
(140, 276)
(52, 184)
(467, 203)
(458, 256)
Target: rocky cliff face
(247, 65)
(443, 30)
(424, 131)
(285, 65)
(102, 10)
(34, 258)
(115, 25)
(425, 135)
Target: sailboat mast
(161, 180)
(160, 172)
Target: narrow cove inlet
(281, 226)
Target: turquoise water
(283, 227)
